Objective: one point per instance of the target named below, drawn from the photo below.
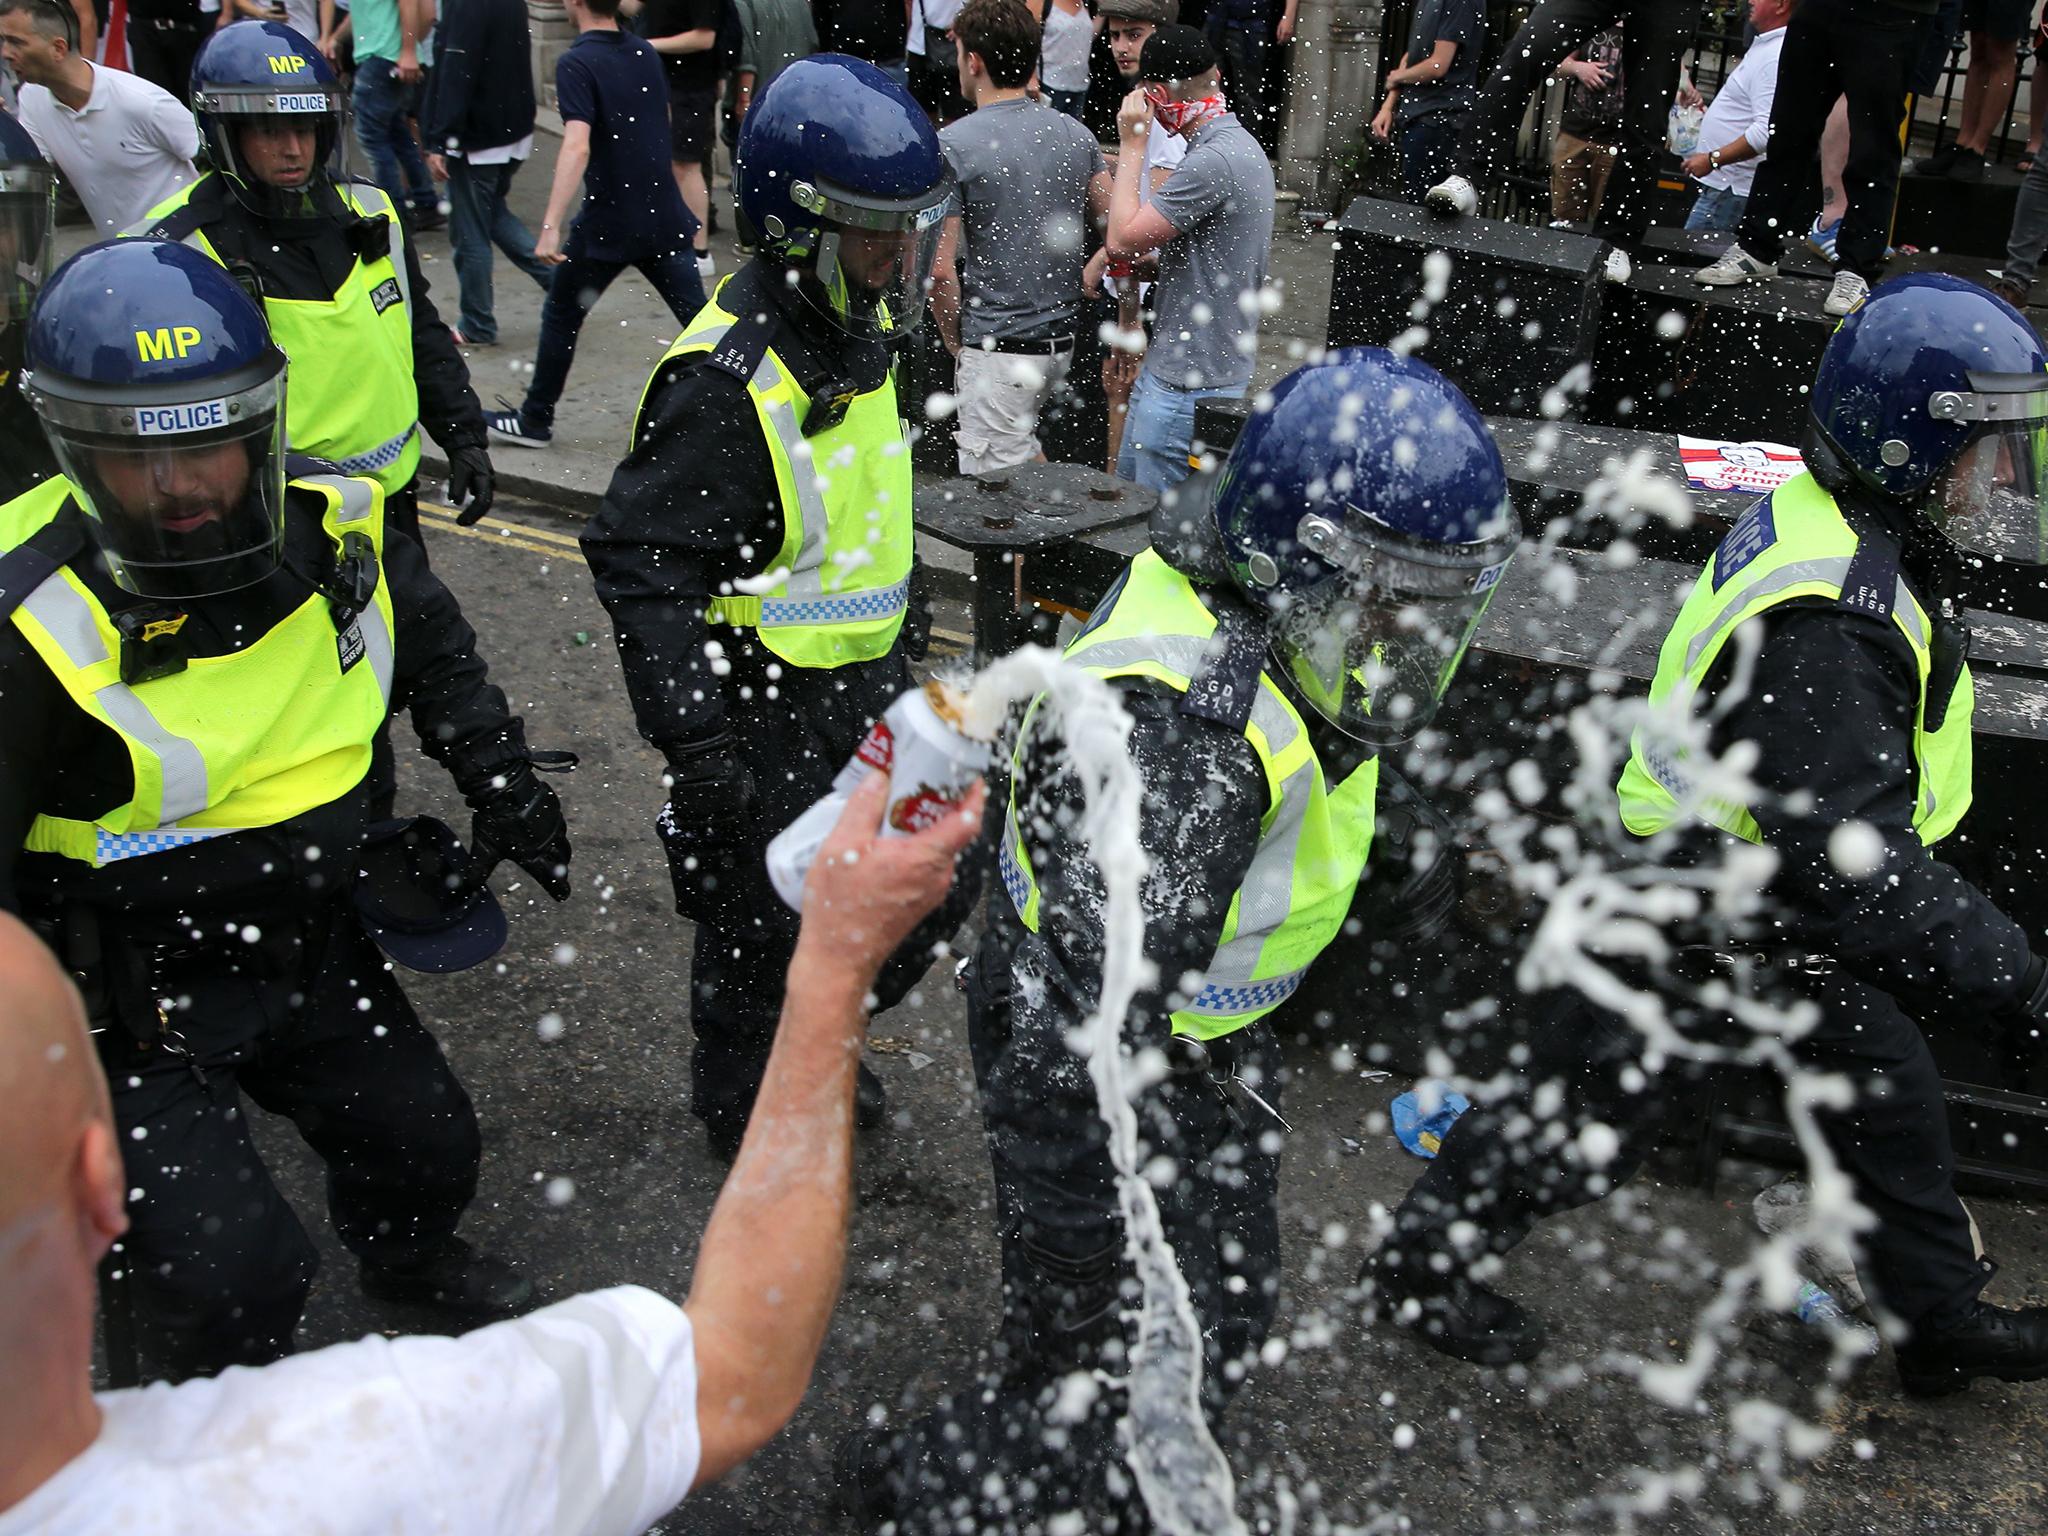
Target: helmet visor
(1374, 648)
(277, 143)
(876, 265)
(26, 218)
(184, 513)
(1993, 498)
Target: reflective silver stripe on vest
(807, 571)
(1834, 571)
(1266, 898)
(358, 501)
(1187, 656)
(372, 201)
(383, 456)
(69, 619)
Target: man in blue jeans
(633, 213)
(389, 69)
(480, 109)
(1211, 225)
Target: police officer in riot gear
(28, 191)
(1824, 634)
(754, 547)
(1275, 637)
(198, 645)
(371, 360)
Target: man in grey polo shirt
(1212, 225)
(1032, 186)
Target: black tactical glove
(472, 480)
(711, 833)
(519, 818)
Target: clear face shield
(874, 260)
(1993, 499)
(275, 146)
(186, 499)
(1374, 647)
(27, 216)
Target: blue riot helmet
(27, 215)
(162, 395)
(840, 174)
(263, 78)
(1932, 402)
(1367, 510)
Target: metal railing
(1719, 41)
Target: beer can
(921, 744)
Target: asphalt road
(574, 1044)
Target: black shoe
(454, 1278)
(1937, 164)
(1968, 165)
(426, 221)
(2006, 1344)
(1457, 1316)
(870, 1101)
(860, 1478)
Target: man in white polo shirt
(1736, 132)
(124, 145)
(593, 1416)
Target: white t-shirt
(1743, 109)
(126, 151)
(577, 1420)
(1162, 150)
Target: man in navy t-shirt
(613, 97)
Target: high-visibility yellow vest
(1793, 544)
(1313, 839)
(842, 575)
(249, 739)
(350, 392)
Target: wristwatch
(1713, 159)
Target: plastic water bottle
(1816, 1306)
(1818, 1309)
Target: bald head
(50, 1078)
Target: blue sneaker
(1821, 238)
(509, 426)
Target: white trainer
(707, 267)
(1454, 194)
(1849, 291)
(1735, 267)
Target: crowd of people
(214, 597)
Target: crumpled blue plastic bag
(1422, 1133)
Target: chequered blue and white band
(112, 847)
(1270, 993)
(880, 603)
(1013, 876)
(381, 457)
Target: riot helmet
(1365, 508)
(840, 174)
(163, 398)
(27, 215)
(270, 111)
(1932, 403)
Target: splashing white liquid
(1181, 1472)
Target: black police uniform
(277, 990)
(1831, 703)
(692, 507)
(308, 260)
(1058, 1213)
